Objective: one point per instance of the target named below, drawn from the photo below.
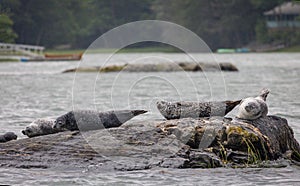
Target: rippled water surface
(36, 90)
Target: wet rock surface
(159, 67)
(179, 143)
(8, 137)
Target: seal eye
(58, 124)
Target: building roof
(285, 8)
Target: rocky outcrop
(158, 67)
(8, 137)
(178, 143)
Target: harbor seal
(40, 127)
(94, 120)
(254, 107)
(176, 110)
(8, 137)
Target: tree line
(77, 23)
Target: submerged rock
(158, 67)
(178, 143)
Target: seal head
(254, 107)
(40, 127)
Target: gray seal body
(176, 110)
(93, 120)
(254, 107)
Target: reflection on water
(34, 90)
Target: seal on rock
(94, 120)
(254, 107)
(41, 127)
(8, 137)
(176, 110)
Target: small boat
(232, 50)
(242, 50)
(226, 50)
(54, 57)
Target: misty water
(37, 90)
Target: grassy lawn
(8, 60)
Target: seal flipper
(117, 118)
(138, 112)
(264, 93)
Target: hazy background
(76, 24)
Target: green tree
(7, 35)
(227, 23)
(261, 31)
(77, 23)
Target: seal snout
(54, 126)
(249, 107)
(57, 124)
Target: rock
(198, 158)
(158, 67)
(178, 143)
(175, 162)
(278, 134)
(83, 69)
(8, 137)
(112, 68)
(228, 67)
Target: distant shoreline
(151, 50)
(125, 50)
(13, 58)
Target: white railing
(29, 50)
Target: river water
(38, 90)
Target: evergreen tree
(7, 35)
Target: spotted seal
(176, 110)
(93, 120)
(254, 107)
(8, 137)
(40, 127)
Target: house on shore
(283, 17)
